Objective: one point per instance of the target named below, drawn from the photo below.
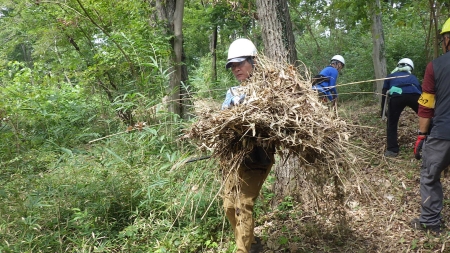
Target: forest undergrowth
(133, 192)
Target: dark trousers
(436, 157)
(396, 105)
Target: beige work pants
(240, 192)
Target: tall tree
(278, 38)
(378, 50)
(213, 48)
(170, 12)
(279, 45)
(434, 14)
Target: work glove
(394, 89)
(418, 146)
(237, 100)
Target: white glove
(236, 100)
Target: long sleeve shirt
(408, 84)
(233, 94)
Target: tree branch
(109, 36)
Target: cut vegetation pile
(280, 110)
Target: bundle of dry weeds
(280, 109)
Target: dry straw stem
(280, 110)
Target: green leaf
(117, 157)
(67, 151)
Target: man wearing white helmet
(325, 82)
(240, 193)
(241, 55)
(401, 91)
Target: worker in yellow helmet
(434, 103)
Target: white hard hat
(406, 61)
(338, 58)
(239, 50)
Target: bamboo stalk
(104, 137)
(373, 80)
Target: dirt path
(377, 215)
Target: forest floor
(378, 206)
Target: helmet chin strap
(251, 61)
(335, 65)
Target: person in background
(325, 82)
(434, 104)
(399, 92)
(240, 192)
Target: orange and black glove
(418, 146)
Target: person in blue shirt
(401, 92)
(328, 76)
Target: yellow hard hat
(446, 27)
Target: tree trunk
(171, 12)
(434, 13)
(378, 53)
(214, 55)
(175, 81)
(278, 38)
(279, 45)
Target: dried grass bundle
(280, 110)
